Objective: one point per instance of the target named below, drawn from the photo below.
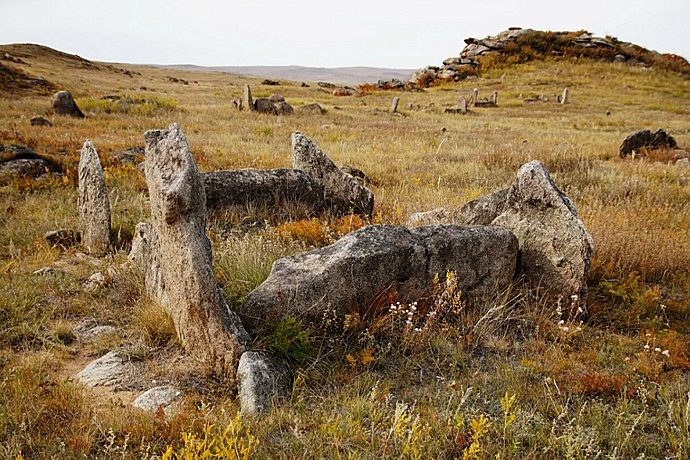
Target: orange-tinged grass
(571, 386)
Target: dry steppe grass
(517, 376)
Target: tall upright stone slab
(248, 101)
(341, 191)
(394, 104)
(462, 104)
(205, 325)
(94, 206)
(555, 247)
(565, 98)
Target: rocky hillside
(517, 45)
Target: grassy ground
(503, 379)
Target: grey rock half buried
(555, 247)
(365, 264)
(205, 325)
(108, 370)
(94, 206)
(341, 191)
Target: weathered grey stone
(205, 325)
(350, 274)
(94, 206)
(248, 102)
(565, 97)
(283, 108)
(555, 247)
(108, 370)
(19, 161)
(145, 254)
(460, 108)
(483, 210)
(156, 398)
(273, 188)
(644, 139)
(237, 104)
(314, 108)
(276, 98)
(261, 379)
(63, 104)
(23, 167)
(394, 104)
(263, 105)
(341, 191)
(436, 216)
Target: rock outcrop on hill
(527, 44)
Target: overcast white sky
(397, 34)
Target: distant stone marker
(394, 104)
(565, 98)
(207, 328)
(248, 102)
(94, 206)
(63, 104)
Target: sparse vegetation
(516, 375)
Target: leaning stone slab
(273, 188)
(555, 247)
(108, 370)
(358, 268)
(248, 101)
(205, 325)
(261, 379)
(341, 191)
(94, 206)
(157, 397)
(483, 210)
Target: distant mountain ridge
(343, 75)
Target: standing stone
(261, 378)
(462, 104)
(205, 325)
(248, 102)
(94, 206)
(394, 105)
(494, 98)
(565, 98)
(555, 247)
(474, 98)
(237, 104)
(342, 191)
(63, 104)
